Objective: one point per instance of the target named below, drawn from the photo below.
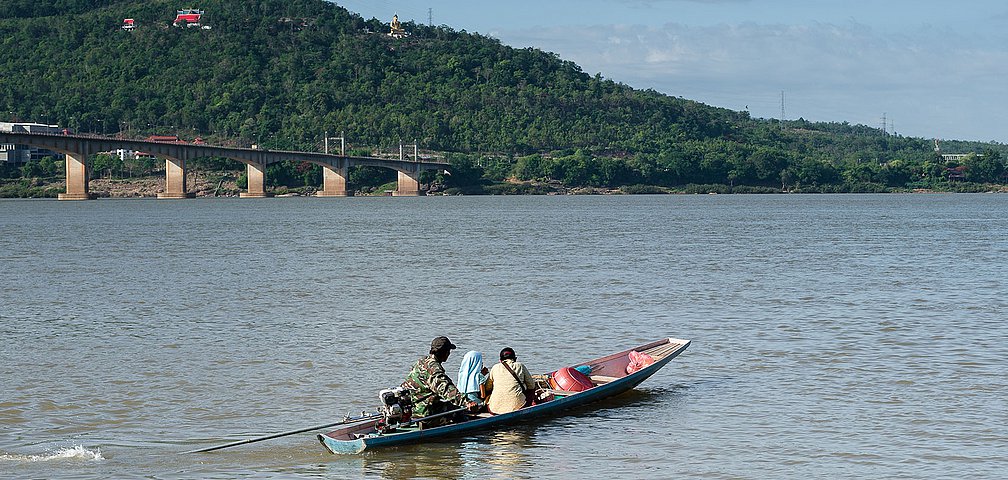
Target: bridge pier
(409, 185)
(175, 180)
(76, 178)
(333, 182)
(256, 182)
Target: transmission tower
(884, 124)
(430, 17)
(782, 107)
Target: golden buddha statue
(396, 30)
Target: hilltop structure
(190, 17)
(395, 28)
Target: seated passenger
(508, 383)
(431, 390)
(472, 377)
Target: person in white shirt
(511, 385)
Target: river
(837, 336)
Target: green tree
(32, 169)
(896, 173)
(104, 165)
(984, 167)
(529, 167)
(465, 172)
(53, 166)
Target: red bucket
(570, 380)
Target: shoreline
(224, 185)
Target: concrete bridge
(78, 148)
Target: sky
(932, 69)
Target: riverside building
(21, 154)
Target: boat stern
(346, 447)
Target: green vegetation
(28, 188)
(280, 73)
(30, 180)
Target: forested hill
(301, 67)
(282, 72)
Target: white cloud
(929, 82)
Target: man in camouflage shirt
(431, 390)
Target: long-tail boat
(609, 376)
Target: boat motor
(396, 408)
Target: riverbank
(118, 188)
(225, 185)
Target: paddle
(320, 427)
(284, 434)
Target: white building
(20, 154)
(127, 155)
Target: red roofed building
(128, 24)
(956, 173)
(190, 16)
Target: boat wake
(77, 452)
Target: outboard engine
(396, 408)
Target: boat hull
(343, 442)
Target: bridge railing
(426, 156)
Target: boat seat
(602, 379)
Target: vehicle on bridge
(165, 139)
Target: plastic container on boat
(570, 380)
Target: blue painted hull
(369, 439)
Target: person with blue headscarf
(472, 375)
